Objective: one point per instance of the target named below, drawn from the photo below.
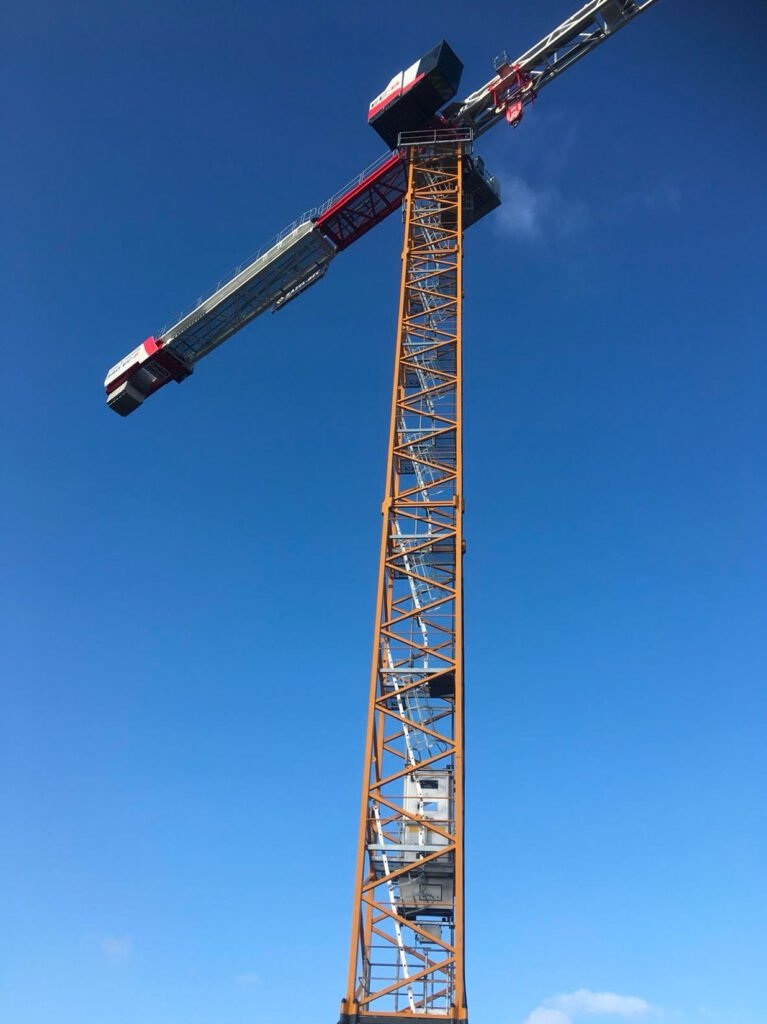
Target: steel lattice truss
(407, 943)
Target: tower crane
(406, 957)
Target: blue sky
(187, 597)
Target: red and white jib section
(142, 372)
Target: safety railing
(435, 137)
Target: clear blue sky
(187, 595)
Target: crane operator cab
(411, 100)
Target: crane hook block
(514, 113)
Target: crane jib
(301, 254)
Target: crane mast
(406, 955)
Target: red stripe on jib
(385, 102)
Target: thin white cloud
(530, 212)
(571, 1006)
(248, 979)
(117, 947)
(584, 1001)
(544, 1015)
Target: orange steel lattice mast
(407, 943)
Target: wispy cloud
(571, 1006)
(117, 947)
(545, 1015)
(529, 212)
(248, 979)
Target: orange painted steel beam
(406, 958)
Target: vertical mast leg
(407, 948)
